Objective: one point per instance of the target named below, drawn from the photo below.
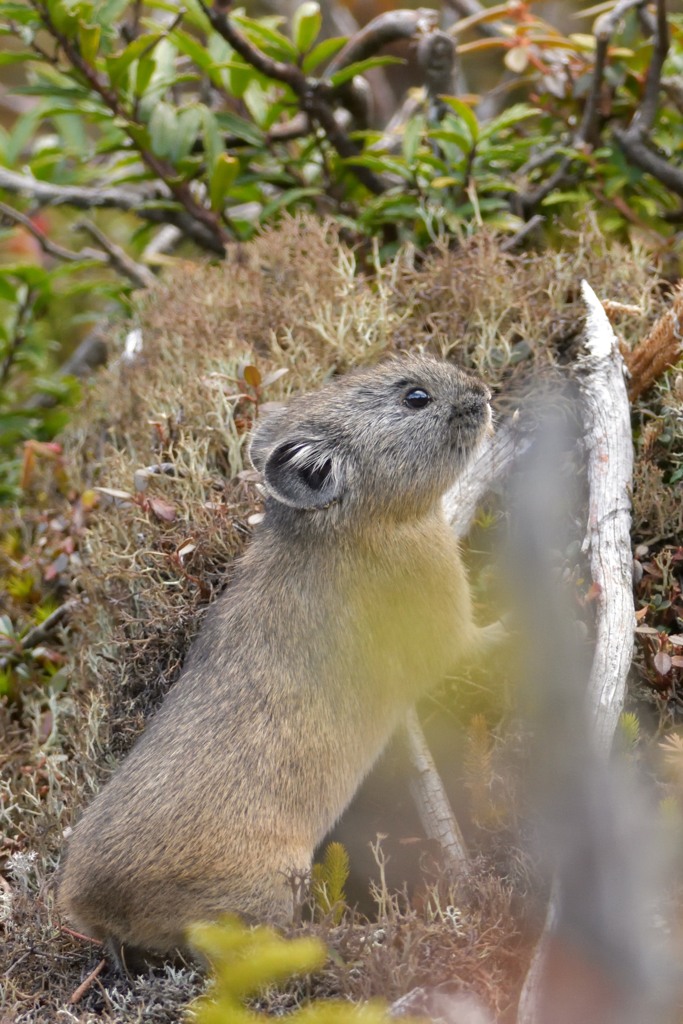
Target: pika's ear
(304, 473)
(265, 434)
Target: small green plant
(328, 880)
(244, 961)
(629, 730)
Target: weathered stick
(431, 800)
(609, 468)
(608, 537)
(76, 996)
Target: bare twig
(636, 149)
(115, 257)
(42, 631)
(140, 275)
(73, 195)
(18, 337)
(78, 994)
(588, 131)
(645, 115)
(526, 229)
(386, 28)
(431, 800)
(83, 198)
(473, 9)
(48, 246)
(636, 138)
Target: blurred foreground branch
(490, 469)
(580, 786)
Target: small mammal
(350, 602)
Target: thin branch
(431, 799)
(636, 149)
(140, 275)
(526, 229)
(588, 133)
(83, 198)
(645, 115)
(473, 9)
(113, 256)
(588, 129)
(18, 337)
(636, 138)
(43, 630)
(76, 996)
(46, 244)
(78, 196)
(386, 28)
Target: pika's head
(384, 441)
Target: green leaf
(223, 173)
(412, 136)
(8, 292)
(118, 65)
(323, 52)
(257, 100)
(286, 199)
(238, 126)
(269, 39)
(381, 164)
(306, 24)
(89, 41)
(465, 114)
(360, 67)
(15, 58)
(107, 12)
(508, 119)
(162, 128)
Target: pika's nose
(472, 404)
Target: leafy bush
(211, 124)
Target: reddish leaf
(677, 661)
(162, 509)
(593, 593)
(252, 376)
(663, 663)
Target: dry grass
(293, 299)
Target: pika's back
(386, 440)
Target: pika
(350, 602)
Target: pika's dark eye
(417, 398)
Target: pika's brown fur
(351, 602)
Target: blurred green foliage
(245, 961)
